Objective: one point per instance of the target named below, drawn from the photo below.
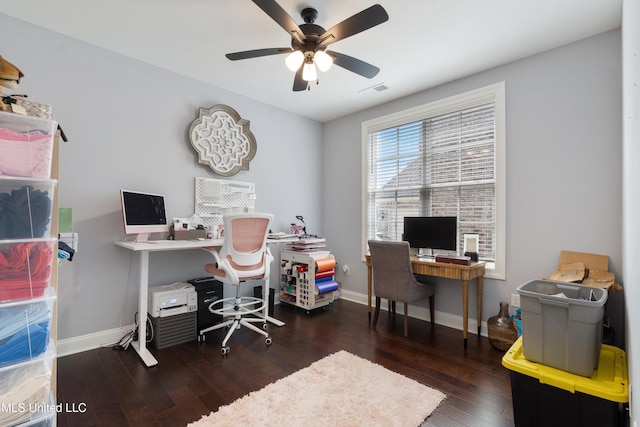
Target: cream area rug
(338, 390)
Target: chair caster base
(268, 341)
(201, 338)
(225, 350)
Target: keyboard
(164, 242)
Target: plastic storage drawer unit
(25, 267)
(44, 415)
(25, 328)
(562, 324)
(26, 144)
(25, 391)
(26, 205)
(546, 396)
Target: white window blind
(442, 165)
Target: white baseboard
(66, 347)
(422, 313)
(82, 343)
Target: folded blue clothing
(27, 343)
(16, 317)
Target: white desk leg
(141, 345)
(265, 311)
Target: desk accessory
(451, 259)
(471, 244)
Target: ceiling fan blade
(354, 64)
(257, 53)
(278, 14)
(357, 23)
(298, 83)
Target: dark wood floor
(113, 388)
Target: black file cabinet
(209, 290)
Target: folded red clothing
(24, 292)
(25, 267)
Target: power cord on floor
(126, 340)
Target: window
(446, 158)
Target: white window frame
(489, 94)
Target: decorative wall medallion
(223, 140)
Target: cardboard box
(586, 269)
(187, 234)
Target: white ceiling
(424, 43)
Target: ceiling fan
(309, 42)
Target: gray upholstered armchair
(394, 280)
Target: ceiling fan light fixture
(323, 60)
(309, 72)
(294, 60)
(309, 41)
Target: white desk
(172, 245)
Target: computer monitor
(431, 232)
(143, 213)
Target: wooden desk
(464, 273)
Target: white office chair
(244, 255)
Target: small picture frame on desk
(471, 246)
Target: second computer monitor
(431, 232)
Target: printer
(169, 300)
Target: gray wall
(563, 167)
(127, 126)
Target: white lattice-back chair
(244, 255)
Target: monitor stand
(425, 253)
(142, 238)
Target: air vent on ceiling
(376, 88)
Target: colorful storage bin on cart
(26, 205)
(25, 328)
(546, 396)
(562, 324)
(26, 144)
(25, 391)
(25, 267)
